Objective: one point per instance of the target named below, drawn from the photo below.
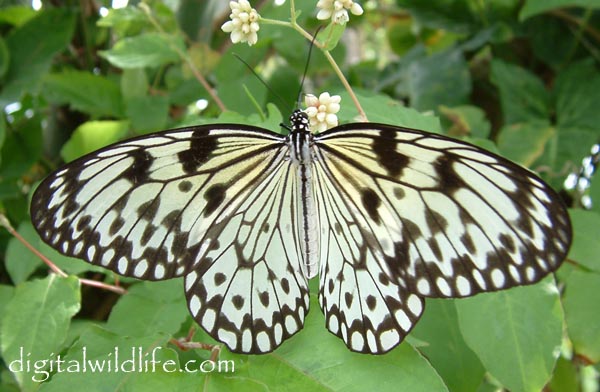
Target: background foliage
(517, 77)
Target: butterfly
(386, 216)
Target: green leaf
(565, 377)
(91, 136)
(32, 48)
(134, 83)
(445, 347)
(524, 143)
(36, 321)
(383, 109)
(577, 92)
(586, 231)
(331, 35)
(128, 20)
(126, 358)
(6, 293)
(21, 148)
(21, 262)
(4, 57)
(466, 120)
(440, 79)
(515, 333)
(523, 96)
(145, 50)
(400, 35)
(148, 113)
(594, 194)
(85, 92)
(16, 15)
(582, 296)
(535, 7)
(149, 307)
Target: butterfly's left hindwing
(447, 218)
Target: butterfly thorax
(300, 138)
(300, 143)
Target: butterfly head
(299, 121)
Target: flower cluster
(337, 10)
(321, 111)
(243, 25)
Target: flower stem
(294, 25)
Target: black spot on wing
(450, 181)
(385, 147)
(201, 147)
(220, 278)
(371, 202)
(214, 196)
(264, 298)
(185, 186)
(238, 301)
(139, 171)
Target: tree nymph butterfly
(385, 216)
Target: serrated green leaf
(36, 321)
(535, 7)
(149, 307)
(32, 47)
(522, 94)
(586, 231)
(91, 136)
(524, 142)
(85, 92)
(515, 333)
(582, 296)
(145, 50)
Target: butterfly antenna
(261, 80)
(310, 48)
